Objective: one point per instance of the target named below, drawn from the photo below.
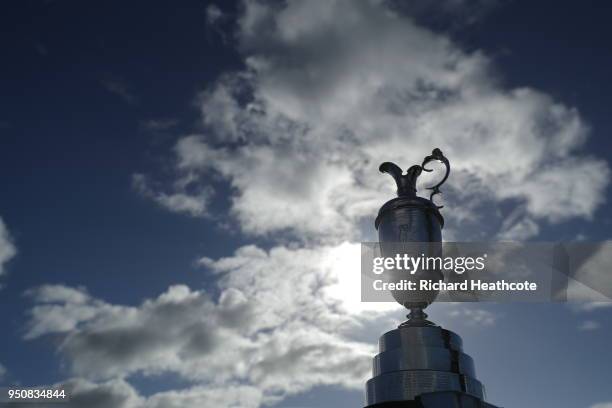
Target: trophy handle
(436, 155)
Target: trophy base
(423, 366)
(444, 399)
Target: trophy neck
(417, 317)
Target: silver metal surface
(417, 360)
(424, 358)
(430, 336)
(407, 385)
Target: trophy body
(411, 226)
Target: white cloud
(61, 294)
(7, 247)
(279, 325)
(61, 309)
(103, 341)
(602, 405)
(325, 99)
(178, 200)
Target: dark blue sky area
(80, 80)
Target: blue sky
(166, 167)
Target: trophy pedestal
(423, 367)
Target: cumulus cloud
(325, 99)
(7, 247)
(120, 340)
(60, 309)
(279, 325)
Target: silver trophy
(412, 225)
(419, 364)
